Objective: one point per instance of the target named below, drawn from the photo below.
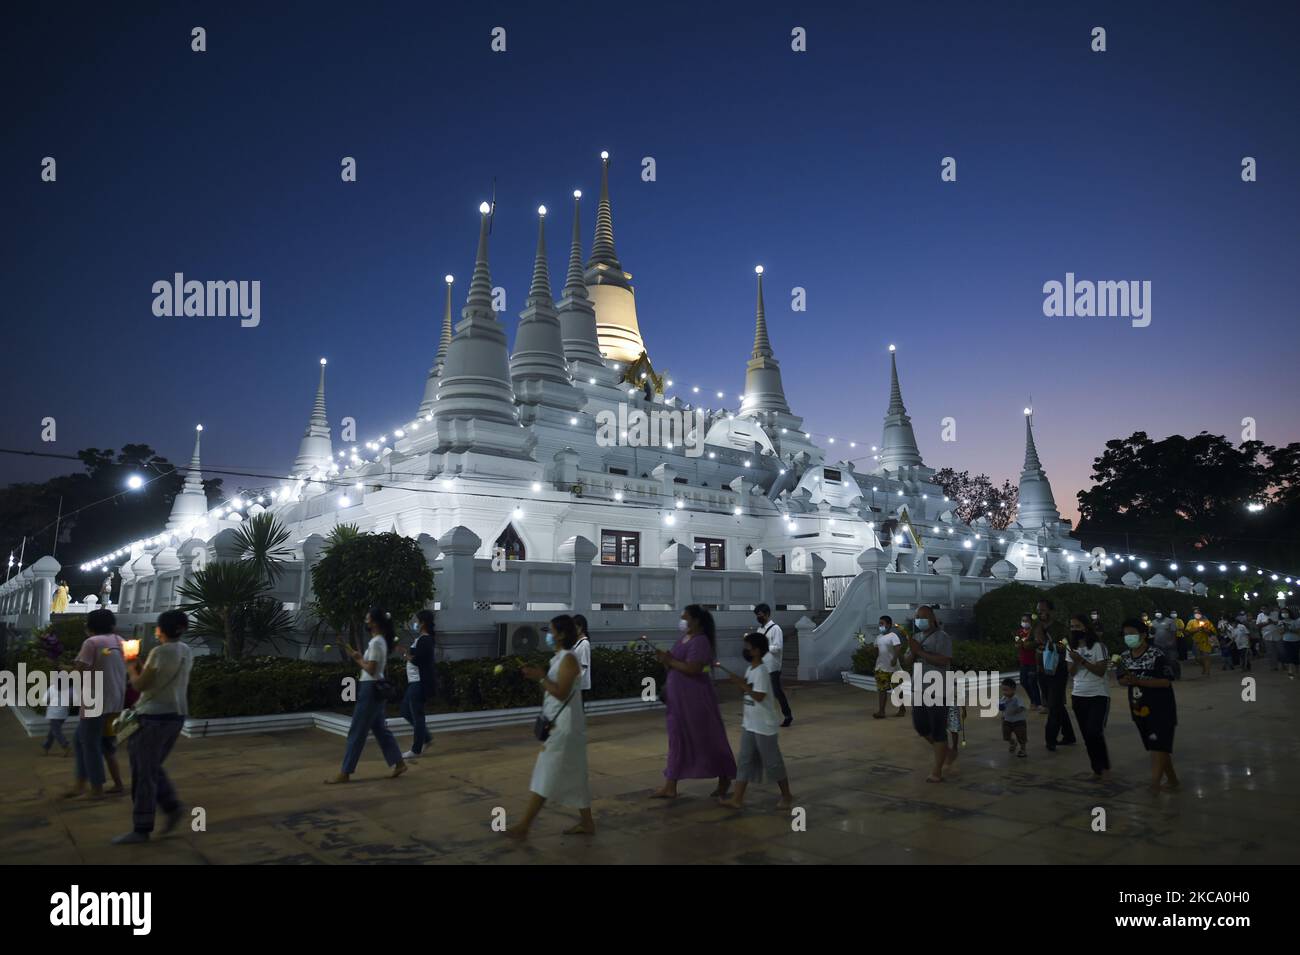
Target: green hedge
(258, 686)
(966, 655)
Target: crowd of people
(147, 703)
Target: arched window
(514, 546)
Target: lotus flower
(498, 669)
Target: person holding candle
(1028, 661)
(1091, 695)
(1149, 674)
(697, 740)
(164, 683)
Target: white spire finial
(891, 347)
(198, 427)
(758, 270)
(322, 361)
(577, 193)
(604, 155)
(448, 279)
(484, 208)
(541, 211)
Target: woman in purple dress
(697, 740)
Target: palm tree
(260, 541)
(217, 596)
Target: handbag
(386, 690)
(126, 724)
(542, 726)
(1051, 657)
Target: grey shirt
(934, 641)
(169, 691)
(1013, 711)
(1164, 633)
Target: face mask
(922, 623)
(882, 628)
(1160, 616)
(550, 640)
(1133, 640)
(1024, 623)
(747, 654)
(1094, 616)
(681, 626)
(1198, 616)
(415, 627)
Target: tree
(260, 539)
(1188, 497)
(971, 498)
(359, 571)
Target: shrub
(259, 686)
(998, 612)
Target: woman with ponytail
(697, 740)
(369, 716)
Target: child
(1227, 646)
(57, 702)
(758, 747)
(1013, 718)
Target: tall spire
(898, 448)
(435, 370)
(602, 246)
(316, 451)
(578, 315)
(191, 504)
(764, 392)
(1037, 505)
(762, 347)
(610, 287)
(539, 373)
(475, 410)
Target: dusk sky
(823, 166)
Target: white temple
(511, 450)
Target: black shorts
(1157, 735)
(1290, 651)
(931, 722)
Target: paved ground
(861, 782)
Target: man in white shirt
(889, 648)
(775, 642)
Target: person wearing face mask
(419, 682)
(697, 739)
(1147, 673)
(776, 640)
(560, 773)
(1091, 695)
(930, 649)
(582, 650)
(368, 715)
(889, 646)
(1028, 660)
(1048, 636)
(1203, 636)
(760, 755)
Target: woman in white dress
(561, 770)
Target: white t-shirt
(1272, 630)
(413, 671)
(1290, 631)
(1261, 620)
(775, 646)
(378, 652)
(888, 645)
(760, 717)
(582, 650)
(1087, 683)
(1241, 635)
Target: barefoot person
(759, 752)
(101, 653)
(560, 773)
(889, 648)
(697, 740)
(164, 683)
(369, 715)
(1148, 673)
(931, 652)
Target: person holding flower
(1149, 674)
(560, 773)
(369, 714)
(1091, 695)
(697, 740)
(1028, 661)
(1053, 676)
(1203, 636)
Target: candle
(130, 649)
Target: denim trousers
(368, 717)
(89, 743)
(413, 713)
(151, 787)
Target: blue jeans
(89, 743)
(1029, 680)
(151, 787)
(413, 713)
(368, 717)
(55, 735)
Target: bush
(998, 612)
(260, 686)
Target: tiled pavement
(861, 782)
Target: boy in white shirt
(759, 752)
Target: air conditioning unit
(518, 639)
